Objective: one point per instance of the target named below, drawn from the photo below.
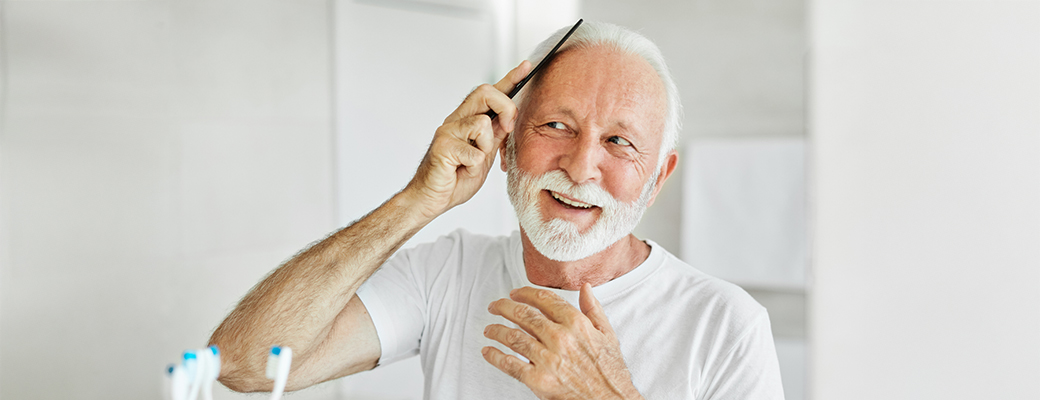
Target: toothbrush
(278, 363)
(178, 382)
(194, 367)
(167, 382)
(212, 371)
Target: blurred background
(868, 170)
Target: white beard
(561, 240)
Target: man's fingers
(526, 317)
(507, 114)
(511, 365)
(493, 98)
(592, 309)
(549, 303)
(450, 153)
(466, 155)
(474, 130)
(514, 76)
(516, 340)
(483, 99)
(508, 82)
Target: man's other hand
(573, 354)
(463, 148)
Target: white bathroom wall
(744, 211)
(157, 158)
(925, 124)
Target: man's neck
(618, 259)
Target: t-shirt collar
(605, 292)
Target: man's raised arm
(309, 303)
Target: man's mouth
(570, 202)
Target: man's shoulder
(697, 322)
(703, 293)
(464, 240)
(460, 247)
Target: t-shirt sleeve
(749, 370)
(396, 297)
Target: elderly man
(573, 306)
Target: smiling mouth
(568, 202)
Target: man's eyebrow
(559, 110)
(622, 125)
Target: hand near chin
(463, 148)
(573, 354)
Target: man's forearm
(298, 303)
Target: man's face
(586, 148)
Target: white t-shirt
(684, 334)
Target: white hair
(591, 34)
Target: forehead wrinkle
(611, 93)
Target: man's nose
(581, 161)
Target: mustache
(590, 193)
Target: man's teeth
(572, 203)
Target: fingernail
(484, 351)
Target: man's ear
(502, 153)
(667, 167)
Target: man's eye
(556, 125)
(619, 140)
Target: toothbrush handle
(282, 377)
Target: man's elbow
(243, 384)
(241, 373)
(261, 384)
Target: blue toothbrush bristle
(276, 350)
